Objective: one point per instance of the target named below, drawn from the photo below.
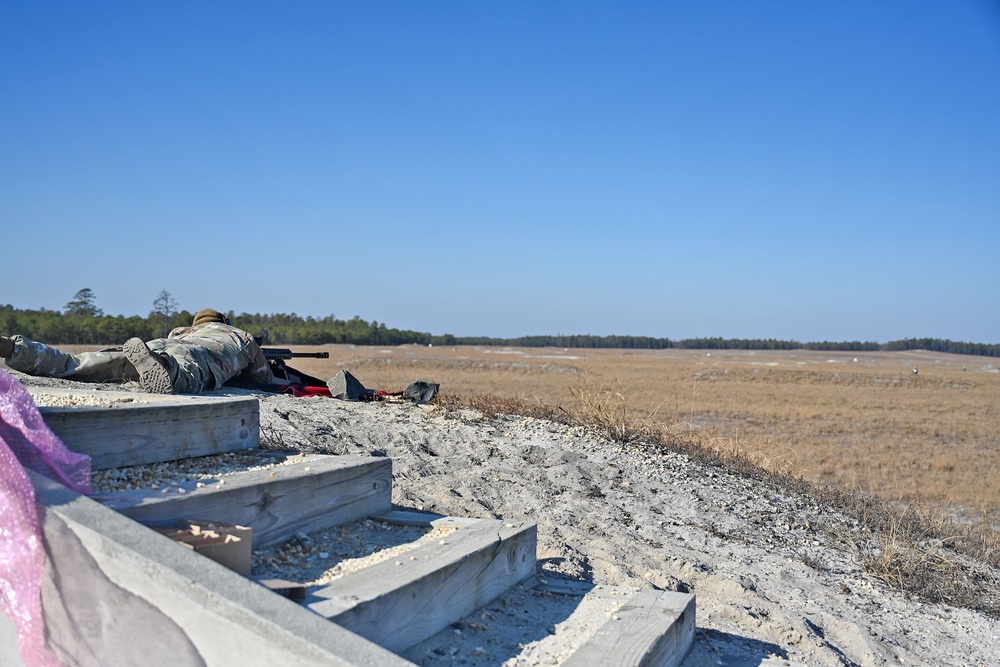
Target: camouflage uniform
(200, 358)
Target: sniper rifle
(276, 353)
(276, 357)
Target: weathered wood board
(400, 602)
(652, 629)
(149, 428)
(316, 493)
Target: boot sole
(153, 377)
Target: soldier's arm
(258, 370)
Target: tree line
(81, 322)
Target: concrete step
(314, 493)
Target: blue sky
(796, 170)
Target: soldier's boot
(6, 347)
(153, 374)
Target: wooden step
(549, 619)
(399, 602)
(117, 593)
(149, 428)
(315, 493)
(652, 629)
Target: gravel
(204, 470)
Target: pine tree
(83, 304)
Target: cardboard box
(224, 543)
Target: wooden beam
(652, 628)
(317, 493)
(148, 428)
(402, 601)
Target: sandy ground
(775, 582)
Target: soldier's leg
(186, 364)
(40, 359)
(154, 372)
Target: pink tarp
(26, 442)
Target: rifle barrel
(284, 353)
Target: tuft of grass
(756, 448)
(927, 555)
(611, 411)
(897, 550)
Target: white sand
(767, 585)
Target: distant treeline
(295, 330)
(55, 327)
(89, 325)
(647, 343)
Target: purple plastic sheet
(26, 442)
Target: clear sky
(795, 170)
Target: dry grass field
(860, 420)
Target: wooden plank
(400, 602)
(319, 492)
(652, 628)
(149, 428)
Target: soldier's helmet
(207, 315)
